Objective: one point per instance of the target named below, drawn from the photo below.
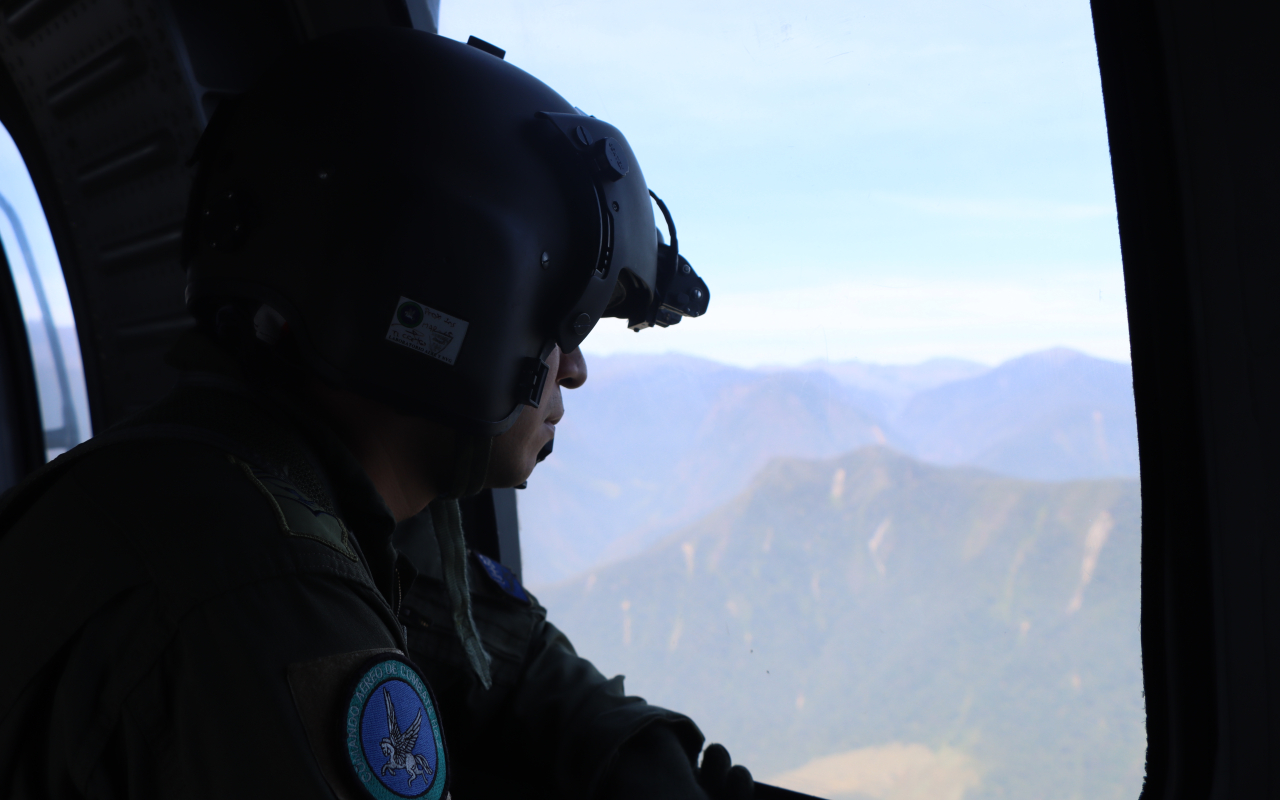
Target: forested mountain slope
(984, 626)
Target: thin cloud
(1012, 210)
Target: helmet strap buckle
(532, 380)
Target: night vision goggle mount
(681, 293)
(637, 276)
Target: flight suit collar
(206, 367)
(357, 502)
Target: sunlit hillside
(652, 443)
(872, 626)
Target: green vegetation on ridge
(870, 599)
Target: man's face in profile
(515, 452)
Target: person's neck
(401, 454)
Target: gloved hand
(720, 779)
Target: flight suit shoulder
(201, 520)
(297, 513)
(139, 563)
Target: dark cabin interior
(107, 98)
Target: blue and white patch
(499, 574)
(430, 332)
(392, 733)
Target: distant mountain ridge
(653, 442)
(1053, 415)
(874, 601)
(648, 448)
(895, 384)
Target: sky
(17, 188)
(20, 193)
(887, 182)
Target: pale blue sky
(871, 180)
(17, 188)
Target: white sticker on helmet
(430, 332)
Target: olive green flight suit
(179, 613)
(551, 725)
(163, 586)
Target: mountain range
(652, 443)
(873, 626)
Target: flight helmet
(426, 222)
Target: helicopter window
(46, 306)
(873, 522)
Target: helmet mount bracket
(662, 287)
(533, 379)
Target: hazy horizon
(592, 354)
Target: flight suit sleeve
(214, 715)
(598, 717)
(551, 725)
(652, 763)
(591, 717)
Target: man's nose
(573, 370)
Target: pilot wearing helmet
(395, 245)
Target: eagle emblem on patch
(391, 732)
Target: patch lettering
(391, 733)
(505, 578)
(430, 332)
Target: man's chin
(506, 476)
(513, 478)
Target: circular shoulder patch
(392, 732)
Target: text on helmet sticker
(430, 332)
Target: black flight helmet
(427, 222)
